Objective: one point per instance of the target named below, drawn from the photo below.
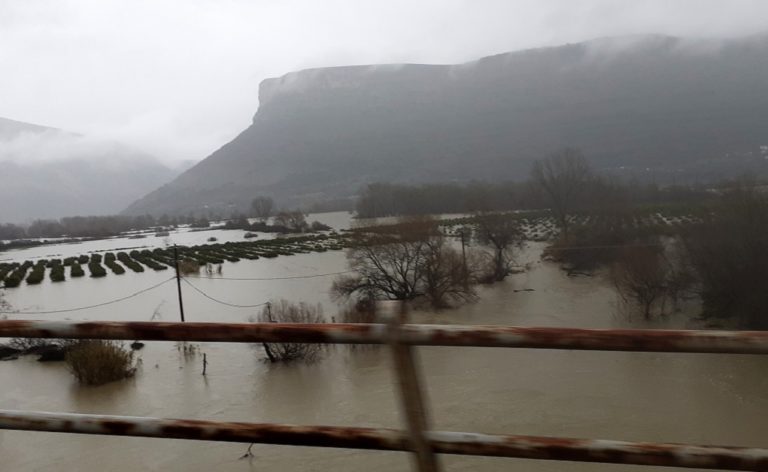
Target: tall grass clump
(98, 361)
(188, 267)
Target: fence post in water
(178, 280)
(413, 406)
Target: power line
(220, 301)
(50, 312)
(283, 278)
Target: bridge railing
(417, 438)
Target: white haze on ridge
(178, 79)
(29, 148)
(599, 49)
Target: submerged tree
(501, 233)
(642, 275)
(407, 261)
(562, 177)
(261, 208)
(283, 311)
(292, 220)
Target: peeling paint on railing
(529, 447)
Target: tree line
(386, 199)
(112, 225)
(89, 226)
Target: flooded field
(712, 399)
(182, 236)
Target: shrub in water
(286, 312)
(114, 266)
(14, 280)
(97, 270)
(145, 257)
(97, 361)
(37, 274)
(77, 270)
(189, 267)
(5, 269)
(130, 263)
(57, 273)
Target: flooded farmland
(691, 398)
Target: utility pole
(178, 281)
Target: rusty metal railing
(529, 447)
(642, 340)
(585, 450)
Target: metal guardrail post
(411, 397)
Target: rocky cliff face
(649, 104)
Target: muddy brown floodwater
(693, 398)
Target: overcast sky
(180, 78)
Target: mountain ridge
(678, 106)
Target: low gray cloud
(180, 78)
(34, 148)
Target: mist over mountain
(652, 107)
(50, 173)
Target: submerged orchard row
(541, 226)
(190, 257)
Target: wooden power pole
(178, 281)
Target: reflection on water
(633, 396)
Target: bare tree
(261, 207)
(387, 268)
(562, 176)
(283, 311)
(446, 278)
(502, 234)
(641, 274)
(410, 261)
